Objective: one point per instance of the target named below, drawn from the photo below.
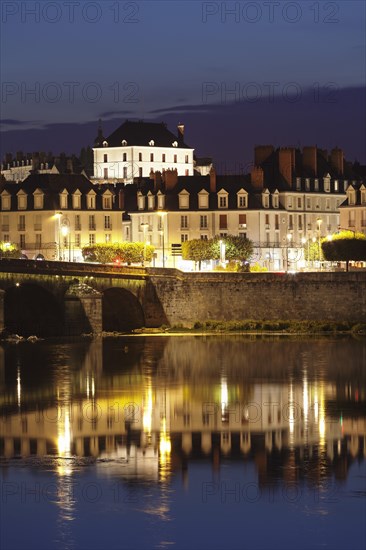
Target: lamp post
(58, 217)
(144, 227)
(289, 237)
(162, 229)
(319, 221)
(222, 253)
(66, 235)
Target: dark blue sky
(237, 73)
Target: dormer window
(222, 197)
(184, 199)
(175, 144)
(298, 184)
(242, 199)
(275, 199)
(307, 184)
(151, 143)
(124, 143)
(150, 201)
(265, 198)
(316, 184)
(105, 143)
(161, 201)
(76, 200)
(38, 199)
(107, 200)
(63, 199)
(5, 201)
(203, 199)
(351, 196)
(140, 201)
(363, 194)
(22, 200)
(90, 200)
(327, 183)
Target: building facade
(137, 149)
(53, 216)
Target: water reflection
(143, 409)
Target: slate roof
(53, 184)
(141, 133)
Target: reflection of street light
(144, 229)
(162, 229)
(289, 237)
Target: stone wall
(190, 297)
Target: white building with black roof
(138, 148)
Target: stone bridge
(54, 298)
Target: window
(108, 237)
(105, 173)
(267, 221)
(183, 199)
(76, 202)
(184, 222)
(124, 157)
(22, 202)
(22, 240)
(107, 222)
(125, 172)
(277, 221)
(298, 184)
(38, 240)
(151, 157)
(140, 157)
(242, 221)
(204, 237)
(105, 158)
(327, 204)
(107, 202)
(300, 222)
(21, 225)
(203, 222)
(77, 240)
(175, 158)
(335, 185)
(77, 223)
(92, 223)
(242, 201)
(275, 200)
(91, 201)
(242, 235)
(222, 201)
(289, 202)
(299, 202)
(91, 239)
(223, 220)
(307, 184)
(183, 237)
(140, 201)
(37, 222)
(150, 201)
(6, 238)
(5, 224)
(290, 222)
(308, 203)
(140, 172)
(316, 185)
(5, 202)
(186, 172)
(187, 159)
(38, 201)
(163, 157)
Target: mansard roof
(140, 133)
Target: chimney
(257, 178)
(336, 160)
(212, 180)
(309, 160)
(158, 180)
(286, 161)
(171, 179)
(121, 200)
(262, 153)
(180, 129)
(151, 175)
(69, 166)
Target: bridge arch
(30, 309)
(121, 311)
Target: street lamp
(58, 217)
(144, 227)
(289, 237)
(319, 221)
(222, 253)
(162, 229)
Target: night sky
(237, 74)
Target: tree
(236, 248)
(311, 251)
(9, 250)
(345, 246)
(124, 252)
(197, 250)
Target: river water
(207, 442)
